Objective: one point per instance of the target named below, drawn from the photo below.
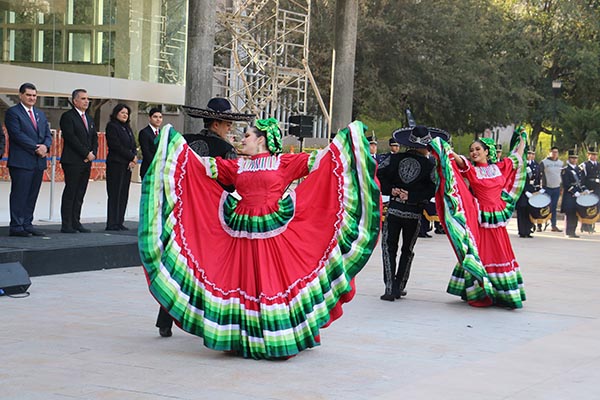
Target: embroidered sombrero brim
(406, 137)
(220, 115)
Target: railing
(98, 165)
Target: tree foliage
(467, 65)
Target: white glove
(577, 194)
(542, 191)
(586, 192)
(528, 194)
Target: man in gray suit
(30, 140)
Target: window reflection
(130, 39)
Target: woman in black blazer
(120, 161)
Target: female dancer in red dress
(261, 270)
(475, 218)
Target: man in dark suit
(30, 140)
(80, 148)
(147, 137)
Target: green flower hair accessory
(489, 142)
(271, 128)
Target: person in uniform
(394, 148)
(212, 141)
(572, 181)
(532, 184)
(373, 148)
(408, 179)
(591, 179)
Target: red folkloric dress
(258, 271)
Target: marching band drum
(588, 208)
(539, 208)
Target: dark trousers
(118, 179)
(76, 183)
(523, 222)
(395, 279)
(24, 190)
(554, 194)
(571, 217)
(425, 225)
(164, 320)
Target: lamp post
(556, 86)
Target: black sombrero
(418, 136)
(217, 108)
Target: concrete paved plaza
(91, 335)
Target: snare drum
(588, 208)
(539, 208)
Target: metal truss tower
(261, 56)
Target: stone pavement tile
(91, 335)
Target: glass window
(81, 12)
(51, 46)
(105, 53)
(80, 46)
(108, 12)
(20, 45)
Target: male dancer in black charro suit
(408, 179)
(212, 141)
(79, 150)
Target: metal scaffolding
(261, 56)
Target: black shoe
(555, 229)
(574, 236)
(424, 235)
(165, 332)
(19, 233)
(439, 232)
(400, 294)
(68, 230)
(539, 228)
(35, 232)
(83, 229)
(387, 297)
(526, 236)
(123, 228)
(112, 228)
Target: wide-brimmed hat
(418, 136)
(217, 108)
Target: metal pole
(52, 180)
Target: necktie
(32, 119)
(156, 132)
(84, 122)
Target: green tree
(579, 127)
